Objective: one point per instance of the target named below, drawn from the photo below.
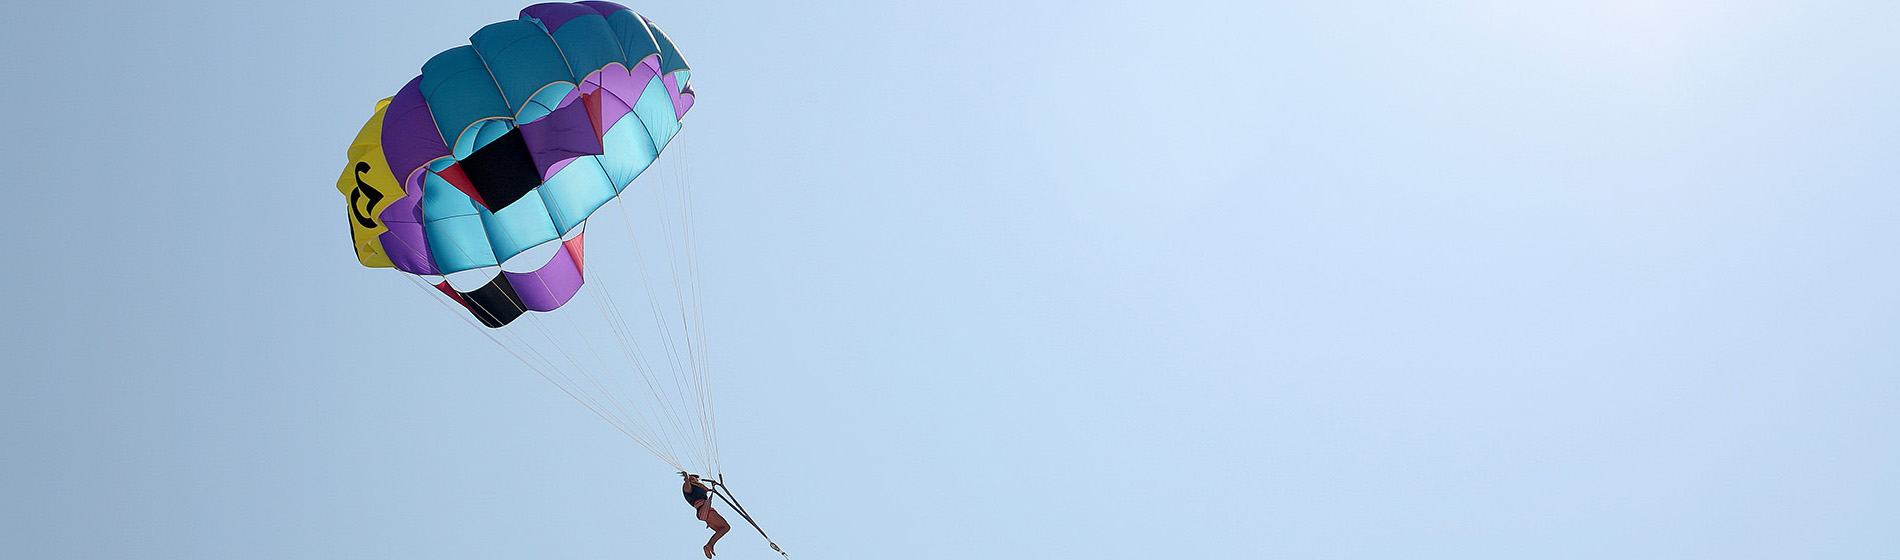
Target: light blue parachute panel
(521, 225)
(457, 235)
(522, 58)
(655, 109)
(576, 191)
(629, 150)
(460, 92)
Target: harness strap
(742, 513)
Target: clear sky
(1592, 279)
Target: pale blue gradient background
(1003, 280)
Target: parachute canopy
(480, 173)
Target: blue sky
(1003, 280)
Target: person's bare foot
(708, 549)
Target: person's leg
(719, 526)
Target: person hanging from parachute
(699, 490)
(700, 496)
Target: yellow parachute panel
(371, 188)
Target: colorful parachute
(480, 173)
(479, 176)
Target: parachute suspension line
(636, 355)
(639, 363)
(436, 295)
(684, 373)
(664, 434)
(629, 351)
(659, 394)
(659, 314)
(663, 439)
(639, 424)
(688, 314)
(657, 442)
(629, 426)
(689, 307)
(670, 418)
(690, 244)
(692, 252)
(615, 415)
(616, 395)
(636, 360)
